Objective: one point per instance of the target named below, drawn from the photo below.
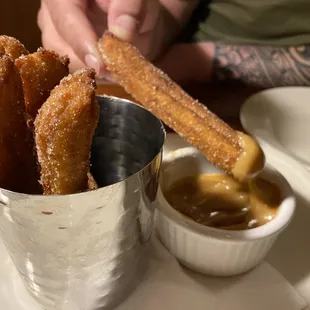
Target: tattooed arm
(259, 66)
(263, 66)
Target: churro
(64, 128)
(222, 145)
(26, 82)
(91, 184)
(12, 47)
(18, 171)
(40, 73)
(2, 50)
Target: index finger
(71, 22)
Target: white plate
(281, 118)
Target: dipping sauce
(251, 160)
(218, 200)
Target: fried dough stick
(160, 95)
(64, 129)
(2, 50)
(40, 73)
(12, 47)
(91, 184)
(18, 171)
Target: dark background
(18, 18)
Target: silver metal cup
(85, 251)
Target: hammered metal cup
(85, 251)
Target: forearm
(262, 66)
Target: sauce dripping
(251, 160)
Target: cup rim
(3, 190)
(281, 220)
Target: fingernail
(92, 62)
(124, 27)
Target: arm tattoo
(263, 66)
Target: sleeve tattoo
(263, 66)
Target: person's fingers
(52, 40)
(97, 17)
(177, 65)
(124, 21)
(149, 41)
(70, 21)
(151, 16)
(104, 4)
(40, 16)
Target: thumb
(124, 21)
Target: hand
(177, 65)
(73, 27)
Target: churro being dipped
(64, 129)
(40, 73)
(231, 151)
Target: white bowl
(210, 250)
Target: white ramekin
(209, 250)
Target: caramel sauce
(218, 200)
(251, 160)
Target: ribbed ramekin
(209, 250)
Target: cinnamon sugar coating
(12, 47)
(18, 171)
(160, 95)
(40, 73)
(64, 129)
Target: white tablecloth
(168, 286)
